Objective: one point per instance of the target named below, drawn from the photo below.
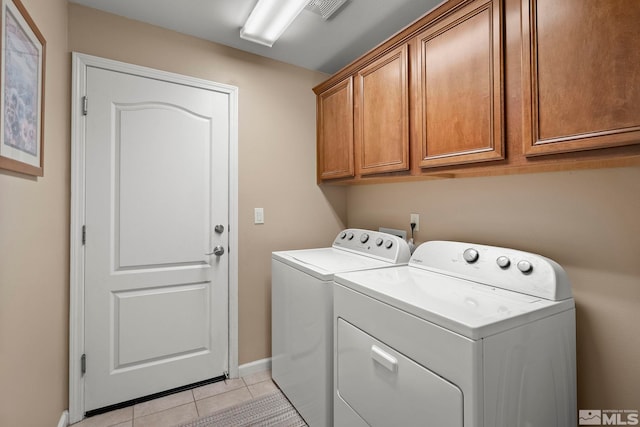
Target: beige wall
(34, 248)
(588, 221)
(276, 148)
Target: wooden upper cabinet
(458, 87)
(335, 131)
(580, 75)
(382, 114)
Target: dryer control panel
(504, 268)
(376, 244)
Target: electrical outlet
(400, 233)
(415, 219)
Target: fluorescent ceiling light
(269, 19)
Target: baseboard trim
(64, 419)
(255, 366)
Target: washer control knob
(525, 266)
(364, 238)
(388, 244)
(503, 262)
(350, 236)
(379, 241)
(343, 235)
(470, 255)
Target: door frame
(80, 63)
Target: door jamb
(80, 62)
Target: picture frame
(22, 73)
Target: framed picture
(22, 66)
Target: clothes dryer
(302, 313)
(464, 335)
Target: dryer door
(386, 388)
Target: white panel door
(156, 304)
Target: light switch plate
(258, 216)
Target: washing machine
(302, 313)
(464, 335)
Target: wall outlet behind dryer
(400, 233)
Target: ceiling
(310, 42)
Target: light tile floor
(186, 406)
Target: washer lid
(468, 308)
(323, 263)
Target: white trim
(234, 255)
(76, 269)
(64, 419)
(76, 282)
(254, 367)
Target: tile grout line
(195, 402)
(164, 410)
(193, 396)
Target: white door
(156, 187)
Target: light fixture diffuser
(269, 19)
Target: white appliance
(302, 313)
(464, 335)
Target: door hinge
(83, 364)
(84, 234)
(85, 105)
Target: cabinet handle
(383, 358)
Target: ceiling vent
(324, 8)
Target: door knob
(217, 251)
(219, 228)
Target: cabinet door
(459, 101)
(581, 74)
(335, 131)
(382, 114)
